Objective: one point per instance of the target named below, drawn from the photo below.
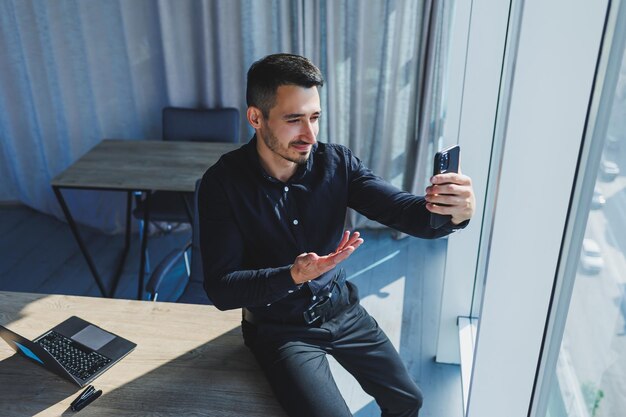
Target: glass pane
(591, 368)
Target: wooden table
(131, 166)
(189, 360)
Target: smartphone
(446, 160)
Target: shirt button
(290, 291)
(314, 298)
(268, 304)
(295, 222)
(286, 189)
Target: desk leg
(81, 244)
(120, 265)
(144, 243)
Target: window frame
(475, 68)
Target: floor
(399, 281)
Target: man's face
(291, 129)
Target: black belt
(323, 308)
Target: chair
(195, 125)
(190, 287)
(201, 125)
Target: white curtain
(73, 72)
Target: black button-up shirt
(253, 226)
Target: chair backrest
(201, 125)
(194, 293)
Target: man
(271, 220)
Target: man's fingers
(464, 211)
(344, 240)
(446, 189)
(347, 240)
(355, 236)
(448, 200)
(433, 208)
(451, 177)
(358, 242)
(341, 256)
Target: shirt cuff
(451, 227)
(282, 282)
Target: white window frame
(477, 45)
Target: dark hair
(269, 73)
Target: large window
(587, 378)
(544, 117)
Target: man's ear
(254, 116)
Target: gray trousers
(293, 358)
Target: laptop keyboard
(77, 360)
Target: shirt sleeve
(378, 200)
(222, 247)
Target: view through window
(591, 368)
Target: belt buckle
(310, 314)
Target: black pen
(83, 395)
(85, 402)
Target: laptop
(76, 350)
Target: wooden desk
(136, 165)
(142, 165)
(189, 360)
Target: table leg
(120, 265)
(81, 244)
(144, 243)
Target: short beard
(273, 144)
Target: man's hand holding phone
(451, 194)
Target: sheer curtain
(75, 72)
(384, 62)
